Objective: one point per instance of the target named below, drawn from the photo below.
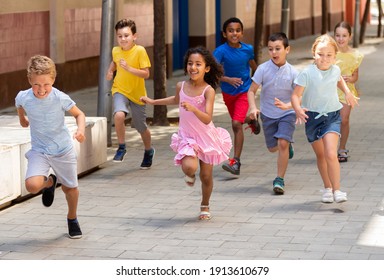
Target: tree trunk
(259, 20)
(324, 17)
(379, 26)
(159, 53)
(364, 21)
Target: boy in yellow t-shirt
(131, 63)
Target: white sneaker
(327, 196)
(340, 196)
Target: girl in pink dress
(198, 141)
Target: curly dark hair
(216, 70)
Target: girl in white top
(316, 103)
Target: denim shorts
(315, 129)
(281, 128)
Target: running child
(198, 141)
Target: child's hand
(146, 100)
(253, 113)
(24, 122)
(351, 99)
(301, 116)
(124, 65)
(347, 79)
(280, 104)
(79, 136)
(236, 82)
(109, 76)
(187, 106)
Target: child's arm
(170, 100)
(79, 135)
(353, 78)
(283, 106)
(111, 69)
(301, 116)
(236, 82)
(253, 65)
(141, 73)
(253, 111)
(22, 117)
(206, 117)
(349, 97)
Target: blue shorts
(281, 128)
(315, 129)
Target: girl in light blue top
(316, 103)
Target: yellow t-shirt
(348, 63)
(131, 86)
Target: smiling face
(325, 55)
(196, 67)
(41, 84)
(233, 33)
(125, 38)
(342, 37)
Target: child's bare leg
(72, 197)
(37, 183)
(318, 148)
(282, 157)
(345, 113)
(330, 141)
(206, 189)
(206, 183)
(189, 165)
(146, 137)
(238, 132)
(119, 119)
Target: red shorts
(237, 105)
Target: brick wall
(22, 36)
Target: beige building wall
(245, 10)
(202, 25)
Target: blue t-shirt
(320, 93)
(276, 82)
(49, 134)
(236, 64)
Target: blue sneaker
(147, 160)
(119, 156)
(291, 151)
(278, 185)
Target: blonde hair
(41, 65)
(325, 38)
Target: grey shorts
(138, 114)
(64, 166)
(282, 128)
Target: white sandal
(204, 215)
(190, 181)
